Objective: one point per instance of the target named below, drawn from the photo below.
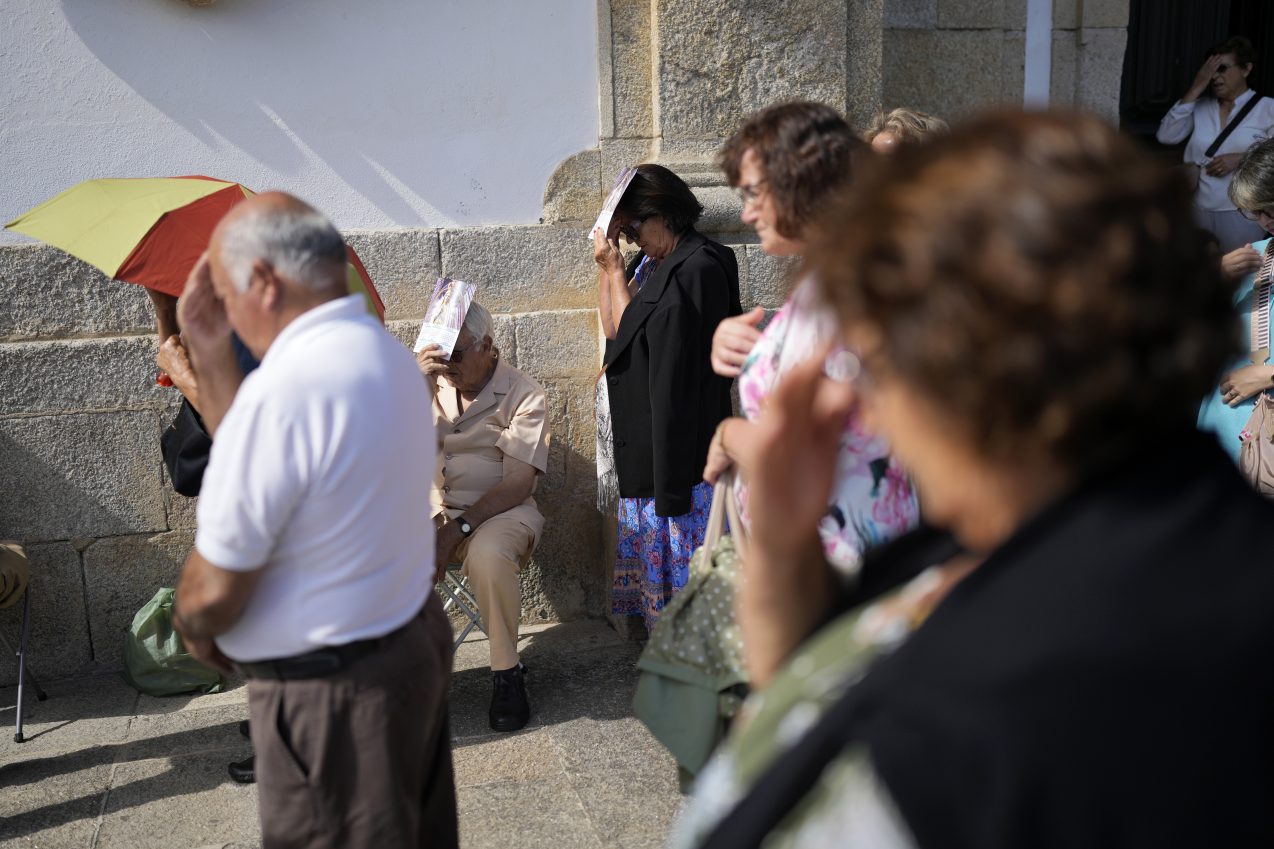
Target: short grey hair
(1252, 186)
(478, 322)
(300, 244)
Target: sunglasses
(631, 229)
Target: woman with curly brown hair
(786, 161)
(1036, 316)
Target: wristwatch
(465, 527)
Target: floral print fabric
(653, 558)
(848, 807)
(872, 499)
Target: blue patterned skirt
(653, 560)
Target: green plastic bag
(155, 661)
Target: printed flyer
(445, 315)
(612, 201)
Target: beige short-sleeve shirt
(508, 419)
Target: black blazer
(665, 400)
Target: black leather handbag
(185, 445)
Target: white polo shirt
(319, 476)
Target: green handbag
(692, 679)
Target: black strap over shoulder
(1232, 126)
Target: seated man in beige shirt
(494, 434)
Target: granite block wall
(80, 420)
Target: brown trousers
(361, 758)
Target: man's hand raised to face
(207, 333)
(202, 314)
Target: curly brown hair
(807, 151)
(1040, 278)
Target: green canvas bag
(692, 679)
(155, 661)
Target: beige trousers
(493, 558)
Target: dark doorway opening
(1168, 41)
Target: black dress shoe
(245, 771)
(244, 729)
(509, 707)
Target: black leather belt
(315, 664)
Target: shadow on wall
(563, 581)
(416, 107)
(85, 595)
(97, 540)
(85, 491)
(80, 475)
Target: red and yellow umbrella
(150, 230)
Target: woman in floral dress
(785, 161)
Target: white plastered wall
(383, 113)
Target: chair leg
(470, 603)
(466, 606)
(456, 588)
(40, 695)
(22, 661)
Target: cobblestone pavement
(106, 767)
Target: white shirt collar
(350, 306)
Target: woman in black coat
(663, 399)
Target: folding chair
(455, 586)
(14, 577)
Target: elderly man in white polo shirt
(311, 570)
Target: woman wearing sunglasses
(658, 389)
(1202, 119)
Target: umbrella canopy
(150, 230)
(360, 282)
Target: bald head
(294, 239)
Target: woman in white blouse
(1224, 75)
